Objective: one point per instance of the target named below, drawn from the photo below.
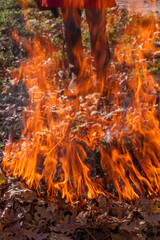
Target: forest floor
(22, 211)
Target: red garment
(79, 3)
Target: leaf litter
(24, 215)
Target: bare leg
(72, 31)
(96, 19)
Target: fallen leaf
(131, 227)
(82, 218)
(52, 207)
(55, 236)
(34, 233)
(152, 219)
(102, 201)
(67, 229)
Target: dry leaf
(67, 229)
(102, 201)
(55, 236)
(34, 233)
(82, 218)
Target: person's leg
(96, 19)
(72, 32)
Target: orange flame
(122, 126)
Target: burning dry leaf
(2, 179)
(123, 129)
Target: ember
(115, 117)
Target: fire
(94, 143)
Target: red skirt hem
(78, 3)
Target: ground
(124, 219)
